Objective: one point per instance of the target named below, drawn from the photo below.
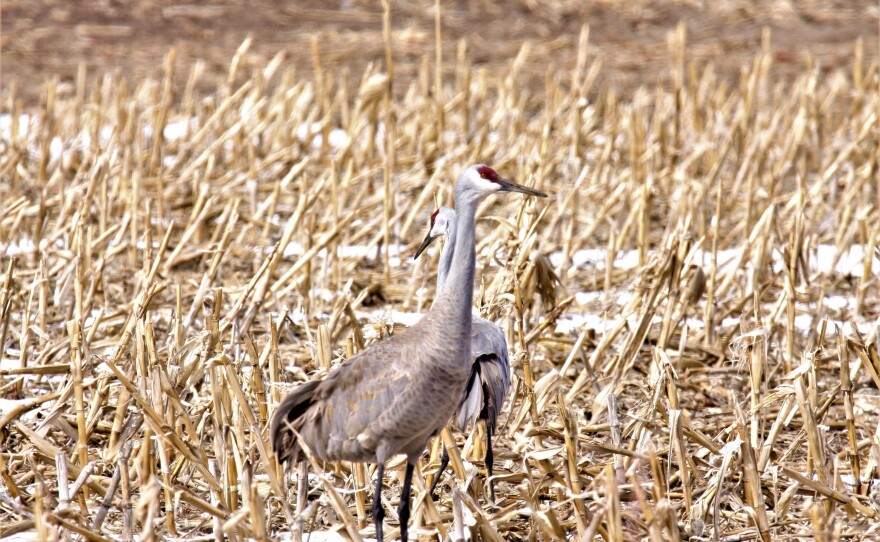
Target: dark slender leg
(403, 507)
(444, 461)
(378, 512)
(490, 459)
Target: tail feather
(495, 380)
(472, 402)
(287, 418)
(485, 392)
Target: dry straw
(692, 315)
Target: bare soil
(42, 40)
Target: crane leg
(490, 459)
(377, 511)
(403, 507)
(444, 462)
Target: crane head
(486, 180)
(442, 221)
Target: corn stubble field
(173, 263)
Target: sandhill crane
(394, 396)
(489, 383)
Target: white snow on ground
(177, 129)
(584, 298)
(389, 317)
(8, 405)
(574, 323)
(727, 322)
(408, 319)
(27, 536)
(851, 260)
(17, 248)
(838, 302)
(24, 122)
(597, 258)
(338, 138)
(348, 252)
(11, 362)
(320, 536)
(56, 146)
(849, 481)
(173, 131)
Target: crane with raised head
(487, 387)
(392, 397)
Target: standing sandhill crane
(489, 383)
(392, 397)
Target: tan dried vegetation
(155, 310)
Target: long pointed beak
(428, 240)
(510, 186)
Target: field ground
(692, 314)
(46, 39)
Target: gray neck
(457, 287)
(446, 255)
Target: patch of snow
(319, 536)
(588, 257)
(105, 133)
(805, 322)
(8, 405)
(24, 246)
(362, 251)
(838, 302)
(325, 294)
(695, 323)
(297, 316)
(569, 323)
(141, 245)
(10, 363)
(407, 319)
(585, 298)
(337, 138)
(56, 146)
(624, 298)
(851, 261)
(353, 252)
(292, 249)
(865, 328)
(627, 260)
(24, 122)
(850, 482)
(27, 536)
(90, 319)
(176, 129)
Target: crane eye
(482, 175)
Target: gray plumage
(490, 379)
(392, 397)
(484, 394)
